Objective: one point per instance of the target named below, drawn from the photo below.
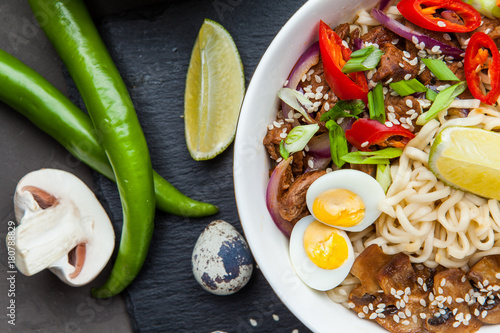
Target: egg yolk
(324, 245)
(339, 207)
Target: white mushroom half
(62, 226)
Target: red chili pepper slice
(368, 134)
(334, 56)
(428, 14)
(482, 53)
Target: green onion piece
(431, 94)
(405, 88)
(338, 142)
(372, 157)
(362, 60)
(440, 70)
(376, 103)
(298, 137)
(383, 176)
(296, 101)
(339, 110)
(283, 152)
(441, 102)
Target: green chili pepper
(70, 28)
(38, 100)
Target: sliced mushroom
(62, 227)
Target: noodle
(428, 220)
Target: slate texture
(151, 47)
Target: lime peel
(468, 159)
(215, 86)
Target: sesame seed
(311, 71)
(441, 24)
(381, 306)
(423, 302)
(317, 78)
(419, 280)
(276, 124)
(319, 89)
(304, 77)
(326, 106)
(464, 278)
(345, 44)
(497, 275)
(310, 163)
(370, 306)
(455, 310)
(424, 287)
(396, 318)
(407, 76)
(449, 299)
(476, 312)
(276, 317)
(402, 120)
(365, 309)
(279, 159)
(406, 298)
(423, 315)
(443, 282)
(408, 312)
(401, 315)
(401, 65)
(389, 124)
(373, 316)
(405, 126)
(270, 127)
(484, 314)
(389, 81)
(422, 54)
(325, 96)
(381, 315)
(395, 41)
(414, 39)
(318, 95)
(253, 322)
(435, 49)
(282, 135)
(406, 322)
(486, 282)
(364, 144)
(406, 54)
(446, 37)
(457, 323)
(431, 297)
(459, 300)
(361, 315)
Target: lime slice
(215, 86)
(468, 159)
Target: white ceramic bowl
(251, 169)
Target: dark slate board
(151, 47)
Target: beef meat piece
(402, 105)
(272, 140)
(292, 203)
(316, 86)
(448, 310)
(485, 275)
(379, 35)
(343, 30)
(393, 66)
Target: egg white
(358, 182)
(312, 275)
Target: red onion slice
(272, 193)
(319, 146)
(385, 4)
(411, 35)
(308, 59)
(318, 163)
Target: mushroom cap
(45, 189)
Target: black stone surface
(152, 47)
(151, 43)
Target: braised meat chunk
(485, 276)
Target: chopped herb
(431, 94)
(405, 88)
(441, 102)
(295, 100)
(376, 103)
(339, 110)
(297, 139)
(440, 70)
(363, 59)
(338, 142)
(383, 176)
(372, 157)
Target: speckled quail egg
(321, 255)
(346, 199)
(222, 261)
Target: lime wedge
(468, 159)
(215, 86)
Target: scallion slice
(372, 157)
(376, 103)
(338, 142)
(383, 176)
(295, 100)
(431, 94)
(363, 59)
(440, 70)
(341, 108)
(441, 102)
(283, 152)
(405, 88)
(298, 138)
